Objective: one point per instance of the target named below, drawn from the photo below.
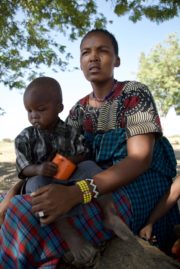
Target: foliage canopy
(157, 11)
(160, 70)
(29, 31)
(30, 35)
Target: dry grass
(7, 162)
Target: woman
(121, 123)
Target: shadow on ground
(8, 175)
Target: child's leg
(86, 169)
(111, 219)
(34, 183)
(81, 251)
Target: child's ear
(117, 62)
(60, 107)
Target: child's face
(42, 110)
(98, 57)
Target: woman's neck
(102, 91)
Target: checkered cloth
(26, 244)
(146, 191)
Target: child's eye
(41, 109)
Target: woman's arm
(56, 200)
(138, 160)
(15, 189)
(5, 203)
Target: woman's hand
(55, 200)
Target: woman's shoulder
(137, 91)
(83, 101)
(130, 88)
(135, 86)
(80, 105)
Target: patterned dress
(129, 111)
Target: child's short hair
(46, 82)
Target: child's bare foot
(81, 257)
(81, 251)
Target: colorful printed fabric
(26, 244)
(130, 111)
(131, 106)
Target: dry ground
(7, 162)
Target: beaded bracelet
(94, 187)
(87, 196)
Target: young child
(36, 146)
(165, 204)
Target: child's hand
(3, 208)
(146, 232)
(47, 169)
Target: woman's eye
(104, 51)
(84, 53)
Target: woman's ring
(41, 214)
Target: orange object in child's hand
(65, 167)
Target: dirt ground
(8, 174)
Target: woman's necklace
(103, 99)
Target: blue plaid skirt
(144, 193)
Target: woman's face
(98, 57)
